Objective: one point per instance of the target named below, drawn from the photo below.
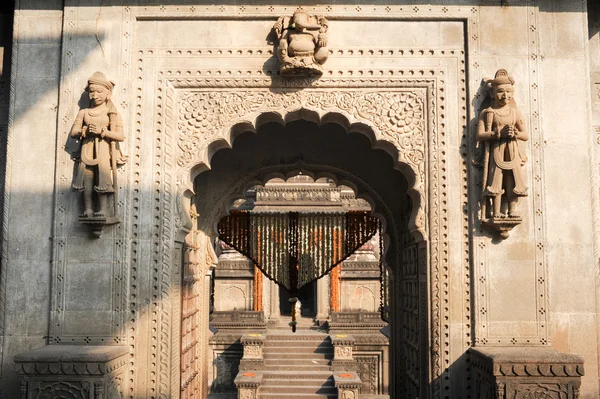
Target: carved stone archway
(201, 116)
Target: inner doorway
(326, 151)
(307, 297)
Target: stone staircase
(297, 365)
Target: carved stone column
(72, 371)
(323, 298)
(275, 313)
(253, 352)
(348, 385)
(526, 372)
(342, 353)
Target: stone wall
(59, 285)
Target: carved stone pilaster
(348, 385)
(342, 353)
(526, 373)
(72, 371)
(253, 352)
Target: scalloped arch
(252, 122)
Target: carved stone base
(348, 384)
(97, 224)
(247, 384)
(526, 373)
(300, 67)
(72, 371)
(502, 226)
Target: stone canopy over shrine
(352, 200)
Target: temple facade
(336, 199)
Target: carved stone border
(433, 195)
(130, 15)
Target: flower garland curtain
(294, 249)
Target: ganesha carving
(302, 44)
(501, 131)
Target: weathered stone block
(72, 371)
(526, 373)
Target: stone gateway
(330, 199)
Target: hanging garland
(294, 249)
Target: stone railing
(238, 319)
(69, 371)
(526, 373)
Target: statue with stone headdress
(501, 131)
(98, 128)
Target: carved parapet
(247, 384)
(348, 385)
(72, 371)
(356, 321)
(526, 372)
(238, 320)
(253, 352)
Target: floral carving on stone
(396, 116)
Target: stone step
(295, 355)
(296, 375)
(298, 338)
(306, 389)
(297, 362)
(296, 367)
(294, 382)
(297, 349)
(299, 396)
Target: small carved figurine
(99, 128)
(302, 44)
(501, 129)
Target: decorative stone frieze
(72, 371)
(302, 44)
(501, 130)
(526, 372)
